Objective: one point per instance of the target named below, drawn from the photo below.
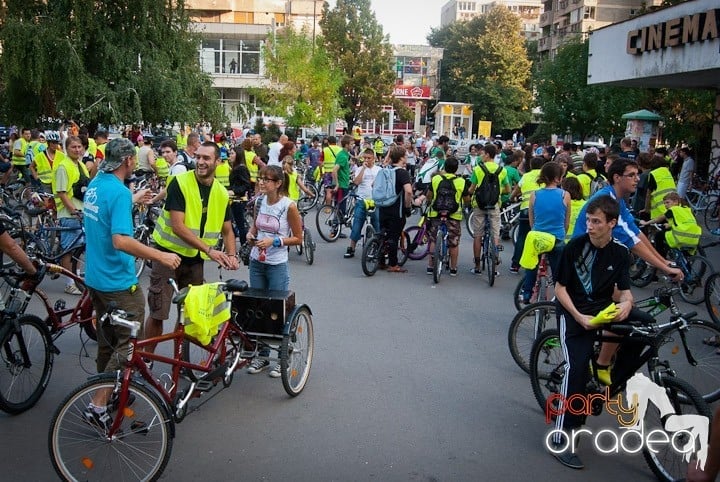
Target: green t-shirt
(343, 174)
(513, 177)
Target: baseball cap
(116, 151)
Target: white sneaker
(275, 372)
(257, 366)
(72, 290)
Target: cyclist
(43, 162)
(684, 232)
(329, 154)
(573, 187)
(363, 179)
(341, 174)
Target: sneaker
(514, 269)
(275, 372)
(257, 366)
(428, 270)
(453, 272)
(569, 459)
(72, 290)
(476, 271)
(349, 253)
(102, 420)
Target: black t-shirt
(590, 273)
(402, 177)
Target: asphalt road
(410, 381)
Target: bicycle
(509, 220)
(329, 221)
(441, 255)
(144, 218)
(543, 289)
(490, 258)
(375, 252)
(702, 197)
(308, 245)
(418, 237)
(144, 410)
(548, 367)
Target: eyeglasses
(266, 179)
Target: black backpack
(445, 196)
(487, 193)
(185, 160)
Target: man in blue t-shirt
(623, 178)
(110, 252)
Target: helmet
(52, 136)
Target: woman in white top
(411, 158)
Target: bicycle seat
(236, 285)
(180, 297)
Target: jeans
(554, 260)
(69, 238)
(359, 220)
(265, 276)
(238, 212)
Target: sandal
(396, 269)
(712, 341)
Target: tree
(485, 63)
(353, 37)
(570, 105)
(102, 61)
(304, 89)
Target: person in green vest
(101, 140)
(181, 139)
(43, 162)
(660, 182)
(329, 155)
(683, 231)
(378, 147)
(19, 150)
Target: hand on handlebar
(676, 274)
(225, 261)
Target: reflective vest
(529, 186)
(20, 160)
(181, 140)
(293, 188)
(329, 155)
(585, 179)
(222, 174)
(378, 146)
(92, 147)
(576, 206)
(73, 173)
(664, 185)
(101, 148)
(44, 167)
(684, 230)
(459, 184)
(252, 167)
(163, 168)
(217, 205)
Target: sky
(406, 21)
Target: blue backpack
(383, 192)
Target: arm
(407, 188)
(12, 249)
(566, 201)
(335, 170)
(564, 298)
(133, 247)
(624, 304)
(258, 162)
(645, 250)
(358, 178)
(531, 209)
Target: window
(590, 13)
(231, 56)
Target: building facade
(528, 10)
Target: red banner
(413, 92)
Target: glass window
(251, 63)
(590, 13)
(211, 44)
(233, 45)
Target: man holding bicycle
(363, 179)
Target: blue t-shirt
(108, 211)
(625, 231)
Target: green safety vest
(222, 174)
(293, 188)
(329, 155)
(684, 230)
(181, 141)
(529, 186)
(20, 160)
(163, 168)
(217, 205)
(73, 172)
(378, 146)
(665, 184)
(44, 167)
(459, 184)
(252, 167)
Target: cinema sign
(674, 33)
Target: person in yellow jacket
(329, 155)
(252, 162)
(683, 229)
(527, 185)
(43, 162)
(19, 151)
(69, 182)
(195, 215)
(573, 187)
(660, 183)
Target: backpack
(185, 160)
(383, 191)
(487, 193)
(445, 196)
(596, 183)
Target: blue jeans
(67, 237)
(269, 276)
(359, 220)
(554, 260)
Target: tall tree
(485, 63)
(353, 37)
(304, 90)
(102, 61)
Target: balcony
(543, 44)
(546, 19)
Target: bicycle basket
(206, 308)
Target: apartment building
(563, 20)
(528, 10)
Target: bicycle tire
(402, 253)
(705, 374)
(143, 236)
(327, 223)
(77, 448)
(711, 218)
(712, 297)
(543, 293)
(296, 352)
(369, 233)
(524, 329)
(547, 366)
(438, 258)
(371, 257)
(22, 386)
(641, 273)
(490, 263)
(309, 246)
(693, 289)
(514, 233)
(469, 223)
(418, 237)
(666, 463)
(306, 203)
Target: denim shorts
(68, 237)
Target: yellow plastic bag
(536, 244)
(206, 308)
(606, 316)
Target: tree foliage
(305, 84)
(355, 40)
(485, 63)
(104, 61)
(570, 105)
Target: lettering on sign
(412, 92)
(674, 33)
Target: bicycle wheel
(26, 361)
(693, 286)
(711, 219)
(309, 246)
(438, 258)
(327, 223)
(545, 292)
(702, 339)
(299, 248)
(369, 233)
(371, 256)
(547, 366)
(514, 234)
(712, 297)
(641, 273)
(22, 240)
(306, 203)
(296, 352)
(138, 450)
(665, 462)
(490, 254)
(402, 252)
(198, 355)
(418, 242)
(143, 236)
(469, 223)
(525, 328)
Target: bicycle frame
(81, 312)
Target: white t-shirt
(274, 154)
(410, 158)
(364, 189)
(177, 168)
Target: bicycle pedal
(204, 385)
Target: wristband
(277, 242)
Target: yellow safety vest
(492, 168)
(664, 185)
(101, 148)
(252, 167)
(73, 173)
(575, 206)
(92, 147)
(585, 178)
(163, 168)
(293, 188)
(529, 186)
(378, 146)
(20, 160)
(217, 205)
(44, 167)
(222, 174)
(181, 141)
(459, 184)
(684, 230)
(329, 155)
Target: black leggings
(393, 224)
